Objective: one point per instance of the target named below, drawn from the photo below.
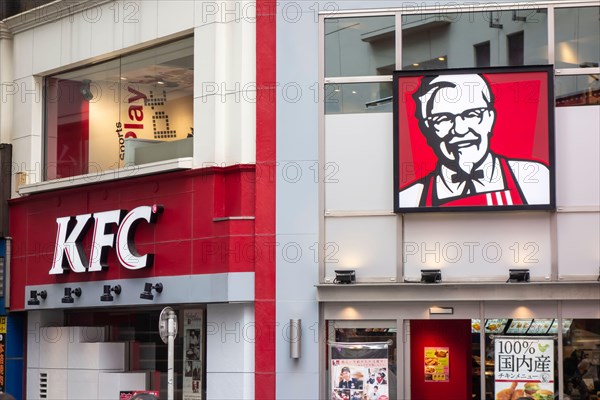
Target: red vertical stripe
(265, 200)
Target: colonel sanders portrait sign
(474, 139)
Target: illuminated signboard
(473, 139)
(69, 251)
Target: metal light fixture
(106, 296)
(33, 297)
(431, 275)
(85, 90)
(147, 293)
(518, 275)
(345, 276)
(295, 338)
(441, 310)
(68, 297)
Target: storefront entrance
(485, 351)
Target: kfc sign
(474, 139)
(69, 251)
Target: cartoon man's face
(459, 118)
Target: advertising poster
(359, 371)
(437, 364)
(192, 357)
(2, 354)
(474, 139)
(128, 394)
(524, 367)
(519, 326)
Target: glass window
(362, 46)
(521, 358)
(577, 34)
(516, 48)
(581, 364)
(351, 98)
(482, 54)
(370, 372)
(133, 110)
(147, 351)
(500, 38)
(577, 90)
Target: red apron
(511, 195)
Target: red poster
(474, 139)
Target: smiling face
(457, 117)
(346, 375)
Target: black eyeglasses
(447, 119)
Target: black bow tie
(475, 175)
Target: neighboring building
(11, 325)
(142, 138)
(336, 188)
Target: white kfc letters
(69, 251)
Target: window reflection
(499, 38)
(362, 46)
(577, 90)
(352, 98)
(577, 34)
(133, 110)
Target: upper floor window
(132, 110)
(577, 37)
(360, 46)
(361, 52)
(472, 39)
(577, 52)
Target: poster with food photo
(518, 326)
(437, 364)
(524, 367)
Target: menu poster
(524, 367)
(566, 326)
(192, 354)
(539, 326)
(475, 325)
(519, 326)
(359, 371)
(495, 325)
(437, 364)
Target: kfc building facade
(455, 144)
(142, 136)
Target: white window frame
(399, 12)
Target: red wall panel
(186, 238)
(454, 334)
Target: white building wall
(578, 192)
(230, 337)
(60, 36)
(467, 246)
(464, 247)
